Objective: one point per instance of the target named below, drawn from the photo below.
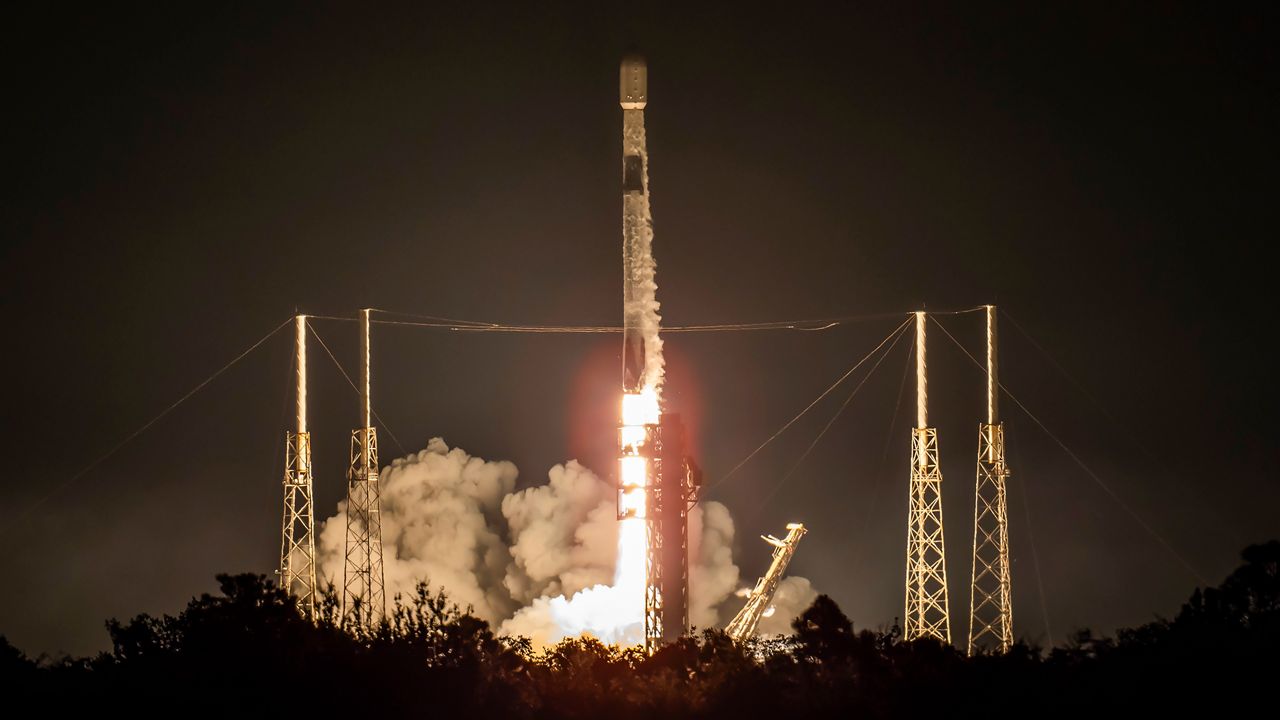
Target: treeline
(248, 652)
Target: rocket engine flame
(616, 613)
(547, 584)
(639, 412)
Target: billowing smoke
(563, 535)
(793, 596)
(539, 562)
(712, 574)
(441, 520)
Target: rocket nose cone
(632, 59)
(633, 84)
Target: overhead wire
(454, 324)
(1137, 442)
(803, 456)
(147, 425)
(891, 336)
(1088, 471)
(884, 459)
(457, 325)
(343, 370)
(1078, 385)
(798, 325)
(433, 318)
(1031, 538)
(278, 447)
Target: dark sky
(180, 181)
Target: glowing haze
(547, 562)
(615, 613)
(554, 561)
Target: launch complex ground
(657, 482)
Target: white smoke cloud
(442, 522)
(793, 596)
(712, 574)
(538, 562)
(564, 534)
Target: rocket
(637, 230)
(658, 482)
(633, 82)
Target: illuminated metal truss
(990, 595)
(297, 534)
(744, 624)
(990, 605)
(654, 607)
(363, 596)
(363, 593)
(927, 612)
(298, 540)
(672, 495)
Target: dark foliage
(249, 652)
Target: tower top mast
(922, 379)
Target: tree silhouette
(249, 651)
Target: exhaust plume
(540, 562)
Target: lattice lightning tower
(297, 534)
(990, 600)
(363, 595)
(926, 612)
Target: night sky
(182, 180)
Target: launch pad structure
(363, 588)
(297, 536)
(990, 598)
(676, 482)
(659, 483)
(926, 613)
(651, 442)
(744, 624)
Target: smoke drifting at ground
(441, 520)
(518, 559)
(713, 576)
(794, 596)
(563, 534)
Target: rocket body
(641, 363)
(633, 83)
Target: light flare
(615, 613)
(639, 412)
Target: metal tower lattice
(297, 534)
(990, 598)
(745, 622)
(660, 491)
(669, 498)
(926, 613)
(363, 593)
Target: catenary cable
(343, 370)
(785, 478)
(1088, 471)
(892, 334)
(1031, 538)
(147, 425)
